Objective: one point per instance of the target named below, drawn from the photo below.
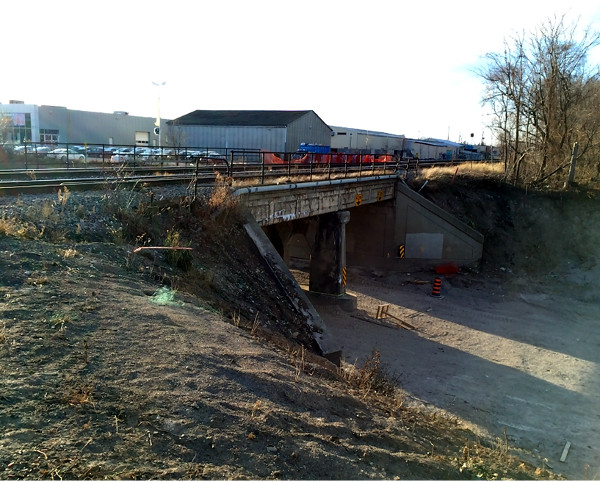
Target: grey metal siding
(310, 129)
(231, 137)
(94, 127)
(55, 118)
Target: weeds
(479, 169)
(47, 210)
(221, 199)
(60, 320)
(78, 396)
(13, 227)
(3, 337)
(37, 280)
(372, 377)
(63, 197)
(69, 253)
(255, 325)
(255, 408)
(8, 226)
(179, 258)
(300, 362)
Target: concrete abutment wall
(408, 234)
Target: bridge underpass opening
(316, 245)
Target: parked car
(31, 149)
(204, 154)
(95, 151)
(123, 154)
(20, 149)
(109, 151)
(41, 151)
(144, 154)
(65, 155)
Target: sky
(383, 65)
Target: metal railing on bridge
(228, 161)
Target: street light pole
(157, 129)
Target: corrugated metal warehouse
(275, 131)
(366, 142)
(435, 149)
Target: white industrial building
(366, 142)
(53, 125)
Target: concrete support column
(328, 259)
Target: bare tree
(5, 123)
(176, 137)
(539, 90)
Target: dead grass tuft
(8, 226)
(69, 253)
(37, 279)
(78, 396)
(221, 197)
(372, 377)
(13, 227)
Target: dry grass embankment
(220, 382)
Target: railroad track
(22, 181)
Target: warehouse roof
(270, 118)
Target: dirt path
(524, 363)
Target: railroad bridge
(374, 221)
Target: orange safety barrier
(270, 158)
(383, 158)
(302, 160)
(336, 158)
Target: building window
(49, 136)
(16, 128)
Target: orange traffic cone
(437, 287)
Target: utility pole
(157, 129)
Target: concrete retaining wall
(409, 233)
